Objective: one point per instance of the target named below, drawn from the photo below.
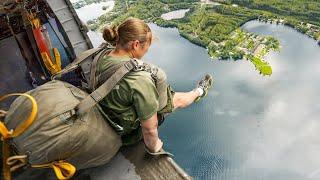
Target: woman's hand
(150, 134)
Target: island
(215, 25)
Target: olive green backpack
(65, 129)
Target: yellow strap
(4, 131)
(62, 169)
(47, 61)
(57, 58)
(53, 68)
(35, 22)
(23, 126)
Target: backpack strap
(140, 66)
(106, 87)
(93, 80)
(106, 74)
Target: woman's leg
(184, 99)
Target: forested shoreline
(215, 26)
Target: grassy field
(262, 66)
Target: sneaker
(205, 84)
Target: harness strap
(105, 88)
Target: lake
(94, 10)
(249, 126)
(178, 14)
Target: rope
(3, 113)
(16, 162)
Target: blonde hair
(131, 29)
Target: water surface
(249, 126)
(177, 14)
(94, 10)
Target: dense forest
(215, 26)
(301, 10)
(203, 24)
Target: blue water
(94, 10)
(249, 126)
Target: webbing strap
(62, 169)
(83, 56)
(105, 88)
(92, 82)
(106, 74)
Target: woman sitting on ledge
(141, 99)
